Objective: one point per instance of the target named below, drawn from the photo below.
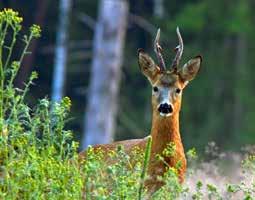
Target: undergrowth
(39, 160)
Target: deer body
(167, 86)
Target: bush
(35, 149)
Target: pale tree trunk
(61, 50)
(100, 119)
(158, 8)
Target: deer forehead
(167, 79)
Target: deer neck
(165, 130)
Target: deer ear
(190, 69)
(147, 65)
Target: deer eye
(155, 89)
(178, 90)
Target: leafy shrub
(35, 149)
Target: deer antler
(158, 50)
(178, 50)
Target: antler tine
(158, 50)
(178, 49)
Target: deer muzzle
(165, 109)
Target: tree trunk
(158, 8)
(61, 50)
(100, 119)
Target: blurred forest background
(218, 106)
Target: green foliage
(240, 18)
(192, 17)
(35, 149)
(192, 154)
(199, 193)
(117, 178)
(172, 188)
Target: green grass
(39, 159)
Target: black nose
(165, 108)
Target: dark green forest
(218, 105)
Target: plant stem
(1, 88)
(2, 76)
(27, 42)
(10, 49)
(24, 52)
(145, 166)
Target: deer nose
(165, 108)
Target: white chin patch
(165, 115)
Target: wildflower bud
(35, 31)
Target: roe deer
(167, 86)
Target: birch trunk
(158, 8)
(61, 50)
(100, 119)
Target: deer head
(167, 84)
